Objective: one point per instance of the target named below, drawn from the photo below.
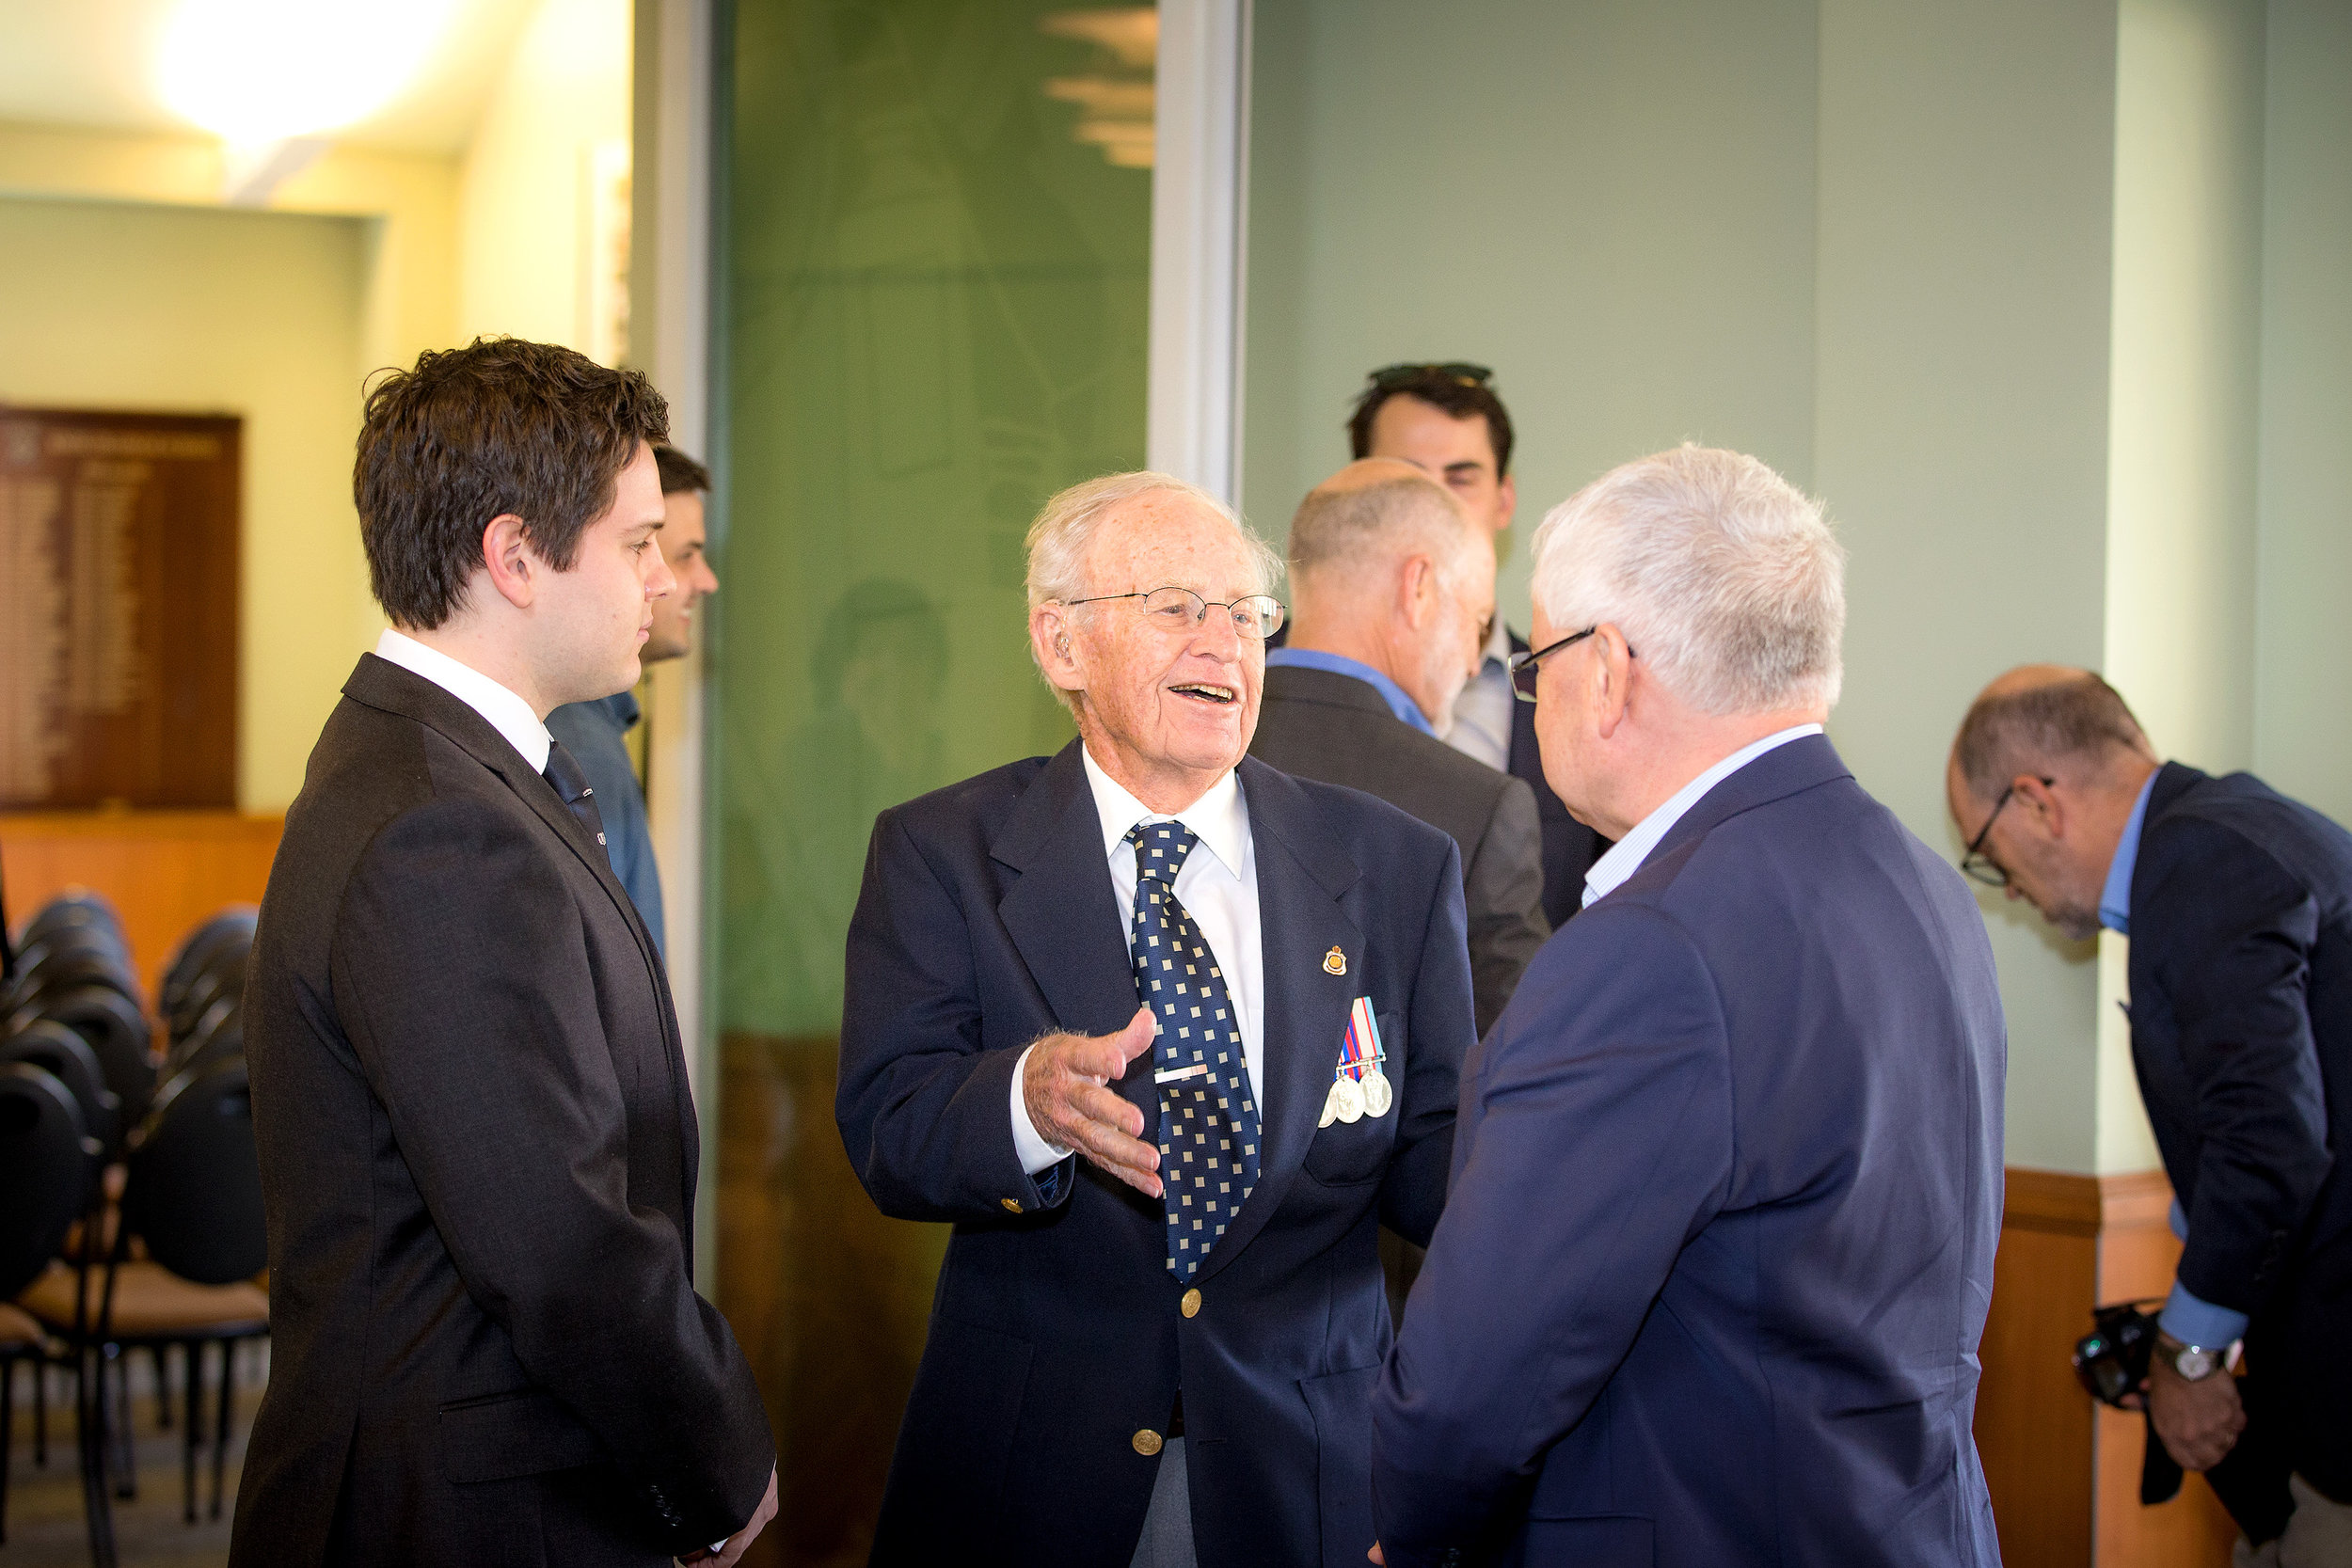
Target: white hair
(1722, 576)
(1058, 539)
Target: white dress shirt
(1219, 887)
(504, 711)
(1481, 714)
(1624, 857)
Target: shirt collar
(2115, 899)
(1613, 869)
(500, 708)
(1339, 664)
(1219, 818)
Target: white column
(1200, 199)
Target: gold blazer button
(1192, 1303)
(1011, 1204)
(1147, 1442)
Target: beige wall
(524, 187)
(186, 310)
(152, 296)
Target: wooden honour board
(119, 537)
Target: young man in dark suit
(1393, 588)
(1165, 1035)
(2238, 904)
(1448, 421)
(1719, 1246)
(478, 1142)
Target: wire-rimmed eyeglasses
(1975, 864)
(1524, 673)
(1255, 615)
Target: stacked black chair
(47, 1168)
(74, 967)
(208, 971)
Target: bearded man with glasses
(1166, 1035)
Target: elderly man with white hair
(1727, 1180)
(1162, 1311)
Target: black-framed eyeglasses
(1389, 376)
(1255, 615)
(1524, 673)
(1976, 865)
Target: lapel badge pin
(1334, 962)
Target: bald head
(2048, 719)
(1387, 569)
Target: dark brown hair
(1440, 389)
(499, 426)
(2077, 718)
(679, 473)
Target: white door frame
(1199, 212)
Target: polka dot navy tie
(1208, 1114)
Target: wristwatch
(2195, 1363)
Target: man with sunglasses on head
(2238, 904)
(1446, 421)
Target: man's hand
(1375, 1554)
(745, 1537)
(2199, 1422)
(1063, 1086)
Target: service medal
(1331, 1108)
(1378, 1096)
(1347, 1099)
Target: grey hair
(2078, 717)
(1058, 539)
(1722, 575)
(1353, 527)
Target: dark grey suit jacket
(1337, 730)
(478, 1158)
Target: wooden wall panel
(164, 870)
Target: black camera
(2112, 1360)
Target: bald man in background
(2238, 904)
(1393, 589)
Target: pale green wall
(1879, 246)
(2303, 705)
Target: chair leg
(8, 1435)
(41, 1409)
(90, 1398)
(194, 1353)
(162, 1388)
(220, 1436)
(127, 1483)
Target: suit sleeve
(2236, 969)
(1441, 1032)
(461, 973)
(1503, 886)
(923, 1108)
(1596, 1142)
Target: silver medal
(1347, 1099)
(1378, 1096)
(1331, 1108)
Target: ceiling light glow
(260, 71)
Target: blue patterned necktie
(1208, 1114)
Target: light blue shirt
(1626, 855)
(1339, 664)
(2187, 1316)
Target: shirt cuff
(1035, 1153)
(2196, 1321)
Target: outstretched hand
(1064, 1085)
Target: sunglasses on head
(1399, 376)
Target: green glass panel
(934, 244)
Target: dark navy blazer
(1056, 1336)
(2241, 1004)
(1727, 1186)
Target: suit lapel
(1303, 873)
(1061, 912)
(383, 684)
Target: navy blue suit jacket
(1727, 1186)
(2241, 986)
(987, 921)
